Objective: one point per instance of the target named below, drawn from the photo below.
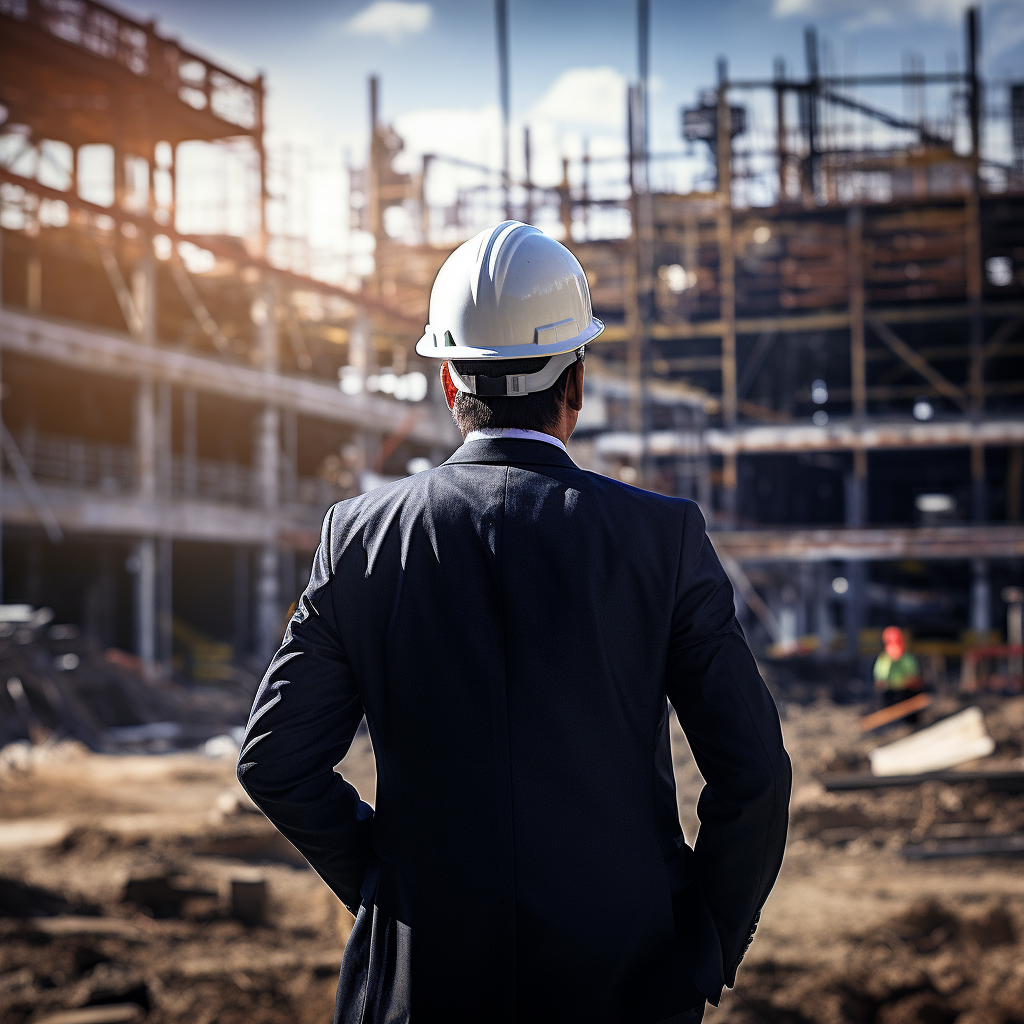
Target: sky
(570, 61)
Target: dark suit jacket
(513, 629)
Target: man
(513, 629)
(897, 673)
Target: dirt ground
(116, 875)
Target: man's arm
(307, 710)
(733, 729)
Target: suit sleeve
(306, 712)
(733, 729)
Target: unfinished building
(834, 373)
(174, 426)
(835, 376)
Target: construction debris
(959, 738)
(57, 684)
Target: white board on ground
(954, 740)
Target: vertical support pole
(822, 611)
(268, 457)
(146, 454)
(172, 173)
(586, 189)
(145, 440)
(165, 558)
(424, 208)
(165, 605)
(373, 171)
(780, 126)
(290, 475)
(261, 156)
(190, 438)
(979, 490)
(976, 341)
(164, 452)
(1, 456)
(144, 593)
(633, 286)
(240, 632)
(1014, 473)
(1, 424)
(565, 202)
(811, 101)
(727, 290)
(855, 270)
(705, 497)
(501, 16)
(643, 239)
(856, 574)
(528, 215)
(34, 283)
(981, 615)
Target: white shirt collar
(523, 435)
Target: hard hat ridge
(511, 292)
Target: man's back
(512, 626)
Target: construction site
(821, 342)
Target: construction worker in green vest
(897, 673)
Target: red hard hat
(891, 634)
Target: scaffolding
(818, 338)
(173, 413)
(835, 374)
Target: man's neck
(515, 433)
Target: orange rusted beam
(894, 713)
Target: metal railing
(113, 470)
(108, 468)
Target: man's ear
(448, 385)
(574, 387)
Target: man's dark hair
(535, 411)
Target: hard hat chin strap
(513, 385)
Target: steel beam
(871, 544)
(93, 513)
(829, 321)
(914, 360)
(116, 354)
(838, 435)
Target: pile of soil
(118, 888)
(934, 963)
(118, 877)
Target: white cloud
(585, 97)
(869, 13)
(464, 133)
(1005, 30)
(392, 19)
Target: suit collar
(511, 450)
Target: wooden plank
(895, 712)
(998, 781)
(990, 846)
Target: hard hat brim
(428, 348)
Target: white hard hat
(510, 292)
